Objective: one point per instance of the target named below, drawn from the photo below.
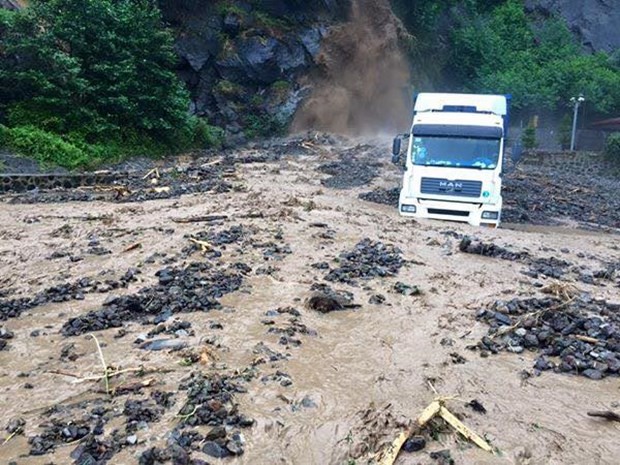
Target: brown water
(363, 83)
(376, 355)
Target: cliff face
(595, 22)
(241, 60)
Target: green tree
(565, 131)
(541, 65)
(529, 138)
(95, 70)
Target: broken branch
(205, 246)
(200, 219)
(608, 415)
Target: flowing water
(378, 357)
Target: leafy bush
(262, 125)
(206, 136)
(45, 147)
(612, 147)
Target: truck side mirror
(396, 150)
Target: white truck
(454, 160)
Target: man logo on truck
(450, 186)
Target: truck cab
(454, 158)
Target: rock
(324, 303)
(213, 449)
(593, 374)
(443, 457)
(414, 444)
(218, 432)
(311, 40)
(164, 344)
(503, 319)
(406, 290)
(132, 440)
(307, 402)
(530, 341)
(15, 426)
(235, 445)
(477, 406)
(232, 24)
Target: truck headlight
(408, 208)
(490, 215)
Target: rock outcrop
(241, 60)
(595, 22)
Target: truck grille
(459, 188)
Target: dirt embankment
(286, 320)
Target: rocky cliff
(241, 60)
(595, 22)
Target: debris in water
(369, 259)
(575, 334)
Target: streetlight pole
(576, 102)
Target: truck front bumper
(475, 214)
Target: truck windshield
(456, 152)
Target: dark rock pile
(63, 293)
(537, 267)
(139, 412)
(59, 432)
(233, 235)
(357, 167)
(369, 259)
(540, 198)
(193, 288)
(324, 299)
(95, 450)
(211, 402)
(382, 196)
(550, 267)
(468, 245)
(290, 330)
(580, 336)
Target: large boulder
(263, 60)
(595, 22)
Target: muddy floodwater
(200, 305)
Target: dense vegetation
(86, 81)
(612, 147)
(495, 47)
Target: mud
(251, 368)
